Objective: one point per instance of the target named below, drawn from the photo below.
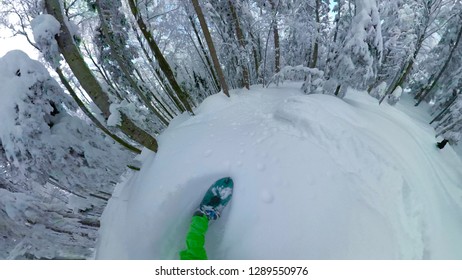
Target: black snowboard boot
(442, 144)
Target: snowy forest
(114, 75)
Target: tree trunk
(256, 55)
(210, 71)
(90, 115)
(277, 51)
(204, 52)
(91, 85)
(118, 57)
(240, 38)
(164, 66)
(332, 51)
(208, 39)
(156, 72)
(314, 56)
(429, 88)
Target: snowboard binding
(215, 199)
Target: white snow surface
(315, 177)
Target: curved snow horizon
(315, 177)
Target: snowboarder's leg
(195, 239)
(213, 203)
(442, 144)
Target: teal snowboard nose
(216, 198)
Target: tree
(444, 58)
(213, 53)
(164, 65)
(307, 26)
(399, 33)
(73, 57)
(427, 89)
(361, 52)
(315, 53)
(277, 50)
(203, 52)
(428, 11)
(240, 39)
(115, 36)
(228, 26)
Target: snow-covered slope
(316, 177)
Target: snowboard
(216, 198)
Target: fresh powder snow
(315, 177)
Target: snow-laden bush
(45, 28)
(38, 135)
(312, 77)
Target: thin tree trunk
(277, 51)
(216, 85)
(240, 39)
(208, 39)
(164, 66)
(165, 86)
(256, 57)
(91, 85)
(428, 89)
(314, 56)
(204, 52)
(265, 57)
(332, 50)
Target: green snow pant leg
(195, 239)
